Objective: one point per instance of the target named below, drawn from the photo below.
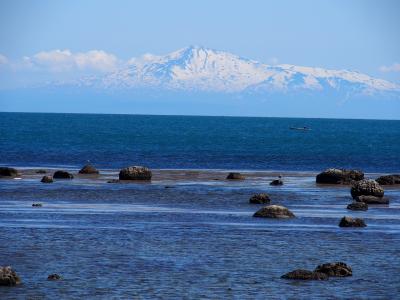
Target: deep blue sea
(190, 233)
(115, 141)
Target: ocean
(114, 141)
(189, 233)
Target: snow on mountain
(200, 69)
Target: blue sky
(359, 35)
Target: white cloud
(144, 58)
(65, 60)
(393, 68)
(3, 60)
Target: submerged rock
(389, 179)
(276, 182)
(37, 205)
(8, 172)
(8, 277)
(301, 274)
(339, 176)
(260, 199)
(358, 206)
(366, 187)
(235, 176)
(372, 199)
(41, 171)
(352, 222)
(88, 169)
(274, 211)
(135, 173)
(62, 175)
(113, 181)
(47, 179)
(336, 269)
(53, 277)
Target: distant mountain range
(201, 69)
(201, 81)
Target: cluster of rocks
(8, 277)
(339, 176)
(321, 272)
(135, 173)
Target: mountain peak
(196, 68)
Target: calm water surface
(197, 239)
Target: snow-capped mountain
(200, 69)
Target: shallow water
(196, 239)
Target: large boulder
(336, 269)
(372, 199)
(388, 179)
(366, 187)
(339, 176)
(8, 277)
(235, 176)
(62, 175)
(352, 222)
(135, 173)
(358, 206)
(88, 169)
(274, 211)
(8, 172)
(301, 274)
(47, 179)
(260, 199)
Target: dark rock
(113, 181)
(37, 205)
(88, 169)
(276, 182)
(336, 269)
(339, 176)
(53, 277)
(41, 171)
(372, 199)
(62, 175)
(260, 199)
(366, 187)
(352, 222)
(8, 172)
(169, 187)
(274, 211)
(301, 274)
(135, 173)
(388, 179)
(47, 179)
(8, 277)
(357, 206)
(235, 176)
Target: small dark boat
(300, 128)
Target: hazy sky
(360, 35)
